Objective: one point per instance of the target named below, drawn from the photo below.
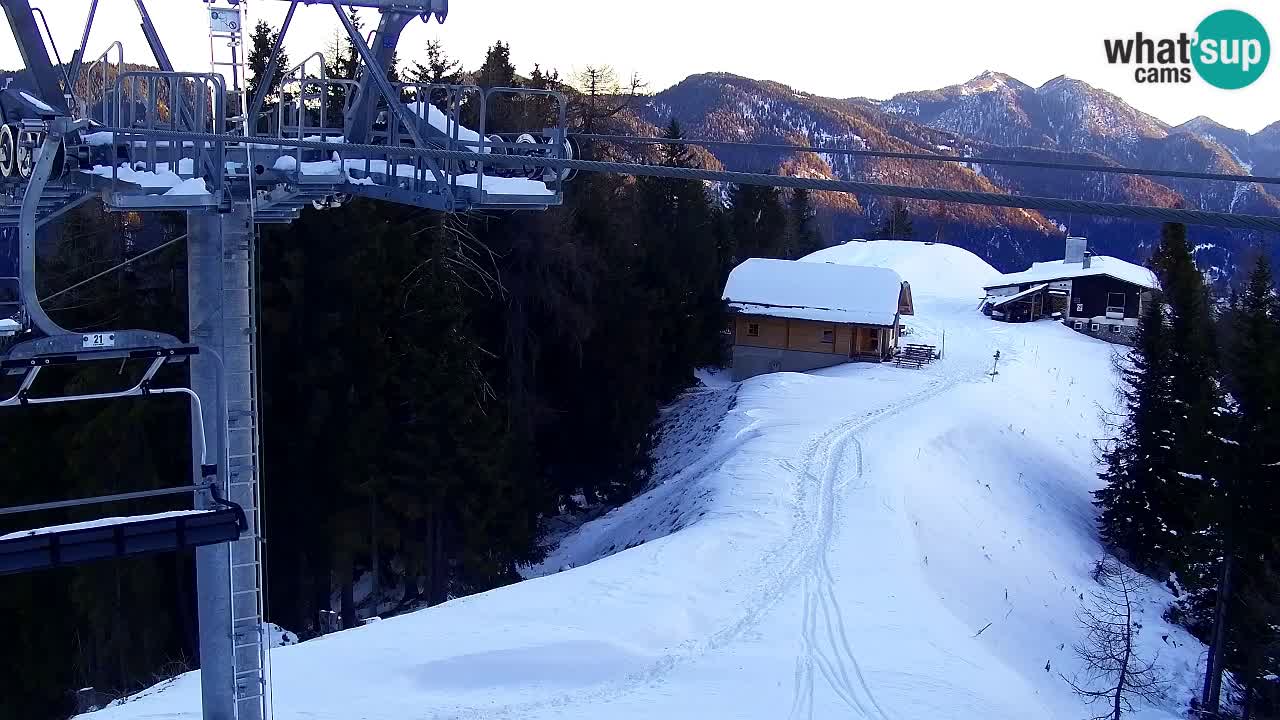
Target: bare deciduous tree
(1114, 671)
(602, 95)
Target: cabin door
(868, 341)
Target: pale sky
(839, 48)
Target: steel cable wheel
(25, 157)
(8, 151)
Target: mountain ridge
(992, 114)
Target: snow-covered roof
(1061, 270)
(825, 292)
(1019, 296)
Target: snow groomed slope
(864, 541)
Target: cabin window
(1079, 325)
(1093, 327)
(753, 329)
(1115, 303)
(829, 337)
(1115, 328)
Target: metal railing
(440, 112)
(555, 147)
(178, 102)
(104, 89)
(306, 108)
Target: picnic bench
(915, 356)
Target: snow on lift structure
(157, 140)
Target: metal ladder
(227, 50)
(240, 377)
(242, 413)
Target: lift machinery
(144, 140)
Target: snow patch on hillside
(691, 446)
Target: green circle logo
(1232, 49)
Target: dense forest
(435, 389)
(1192, 491)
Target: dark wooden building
(1099, 296)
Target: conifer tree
(496, 71)
(757, 222)
(897, 226)
(1240, 581)
(802, 235)
(262, 41)
(1139, 460)
(439, 69)
(680, 269)
(1162, 469)
(1194, 371)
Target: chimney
(1075, 250)
(1087, 260)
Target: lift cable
(974, 160)
(114, 268)
(968, 197)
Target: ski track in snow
(819, 476)
(823, 619)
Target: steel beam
(438, 9)
(396, 110)
(35, 56)
(77, 58)
(219, 255)
(385, 41)
(255, 105)
(153, 39)
(213, 564)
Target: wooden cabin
(794, 316)
(1095, 295)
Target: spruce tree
(439, 69)
(496, 71)
(1194, 371)
(1139, 461)
(1244, 610)
(803, 237)
(680, 269)
(897, 226)
(1162, 469)
(262, 40)
(757, 223)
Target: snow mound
(190, 186)
(932, 269)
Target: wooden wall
(773, 331)
(844, 340)
(807, 335)
(804, 335)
